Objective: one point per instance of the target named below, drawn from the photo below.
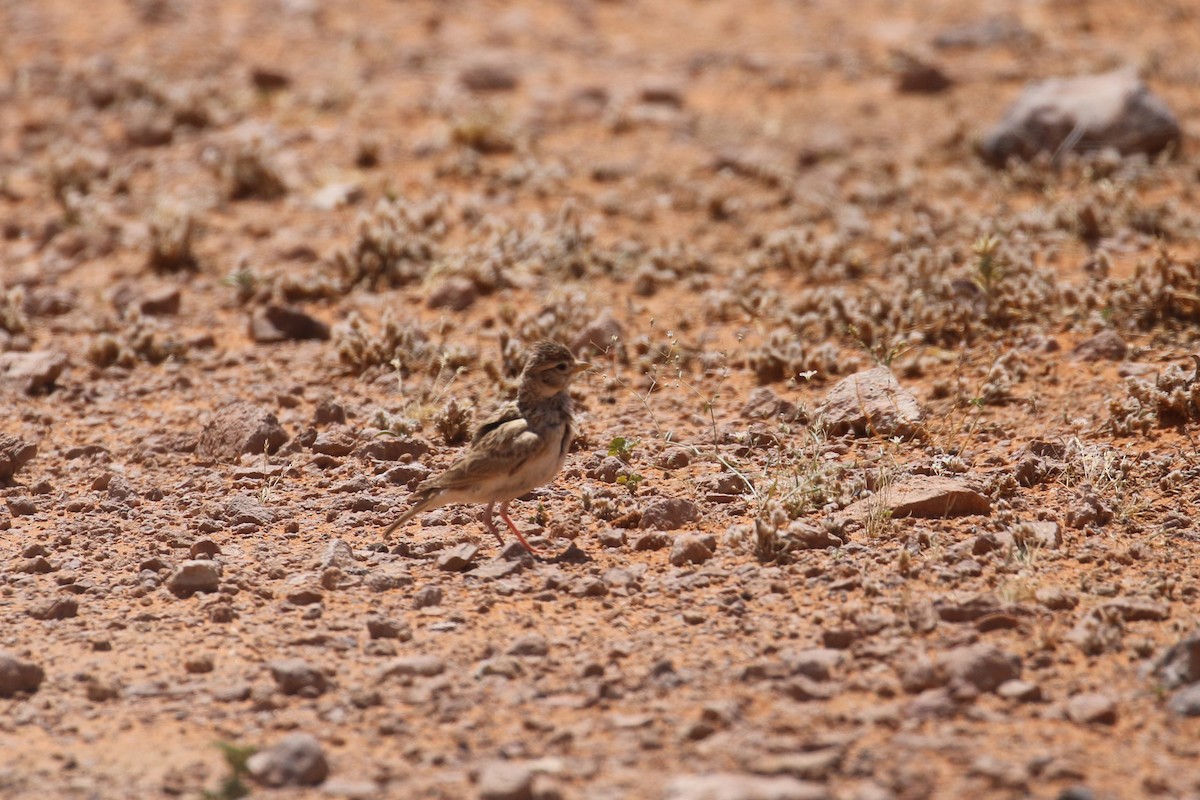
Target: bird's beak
(581, 366)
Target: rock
(336, 195)
(926, 496)
(506, 780)
(337, 442)
(1185, 702)
(669, 514)
(986, 32)
(269, 79)
(240, 428)
(488, 76)
(655, 540)
(34, 372)
(1180, 665)
(58, 608)
(915, 75)
(407, 666)
(163, 301)
(1104, 346)
(673, 458)
(1111, 110)
(662, 92)
(15, 453)
(379, 627)
(243, 509)
(1037, 535)
(600, 336)
(691, 548)
(1137, 610)
(980, 666)
(428, 597)
(18, 675)
(393, 448)
(198, 575)
(1019, 690)
(1092, 708)
(276, 323)
(454, 294)
(871, 403)
(765, 404)
(815, 765)
(817, 663)
(297, 676)
(608, 470)
(339, 554)
(296, 760)
(1056, 598)
(533, 644)
(736, 786)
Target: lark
(520, 447)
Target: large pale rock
(18, 675)
(296, 760)
(1112, 110)
(14, 454)
(34, 372)
(240, 428)
(736, 786)
(926, 496)
(871, 403)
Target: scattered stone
(99, 690)
(1092, 708)
(163, 301)
(506, 780)
(15, 453)
(199, 575)
(58, 608)
(339, 554)
(1185, 702)
(533, 644)
(428, 597)
(871, 403)
(1111, 110)
(414, 665)
(379, 627)
(453, 294)
(394, 448)
(1037, 535)
(199, 665)
(1180, 665)
(458, 558)
(916, 75)
(1137, 610)
(240, 428)
(662, 92)
(18, 675)
(304, 596)
(296, 676)
(673, 458)
(986, 32)
(766, 405)
(814, 765)
(925, 496)
(276, 323)
(601, 336)
(1104, 346)
(736, 786)
(669, 514)
(336, 195)
(296, 760)
(1019, 690)
(691, 548)
(338, 442)
(655, 540)
(33, 372)
(489, 77)
(980, 666)
(1056, 598)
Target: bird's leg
(513, 528)
(490, 523)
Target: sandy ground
(271, 260)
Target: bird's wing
(500, 450)
(505, 413)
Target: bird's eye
(561, 367)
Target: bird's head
(549, 369)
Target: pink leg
(513, 528)
(491, 523)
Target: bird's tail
(421, 502)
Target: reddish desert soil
(730, 199)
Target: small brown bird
(519, 448)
